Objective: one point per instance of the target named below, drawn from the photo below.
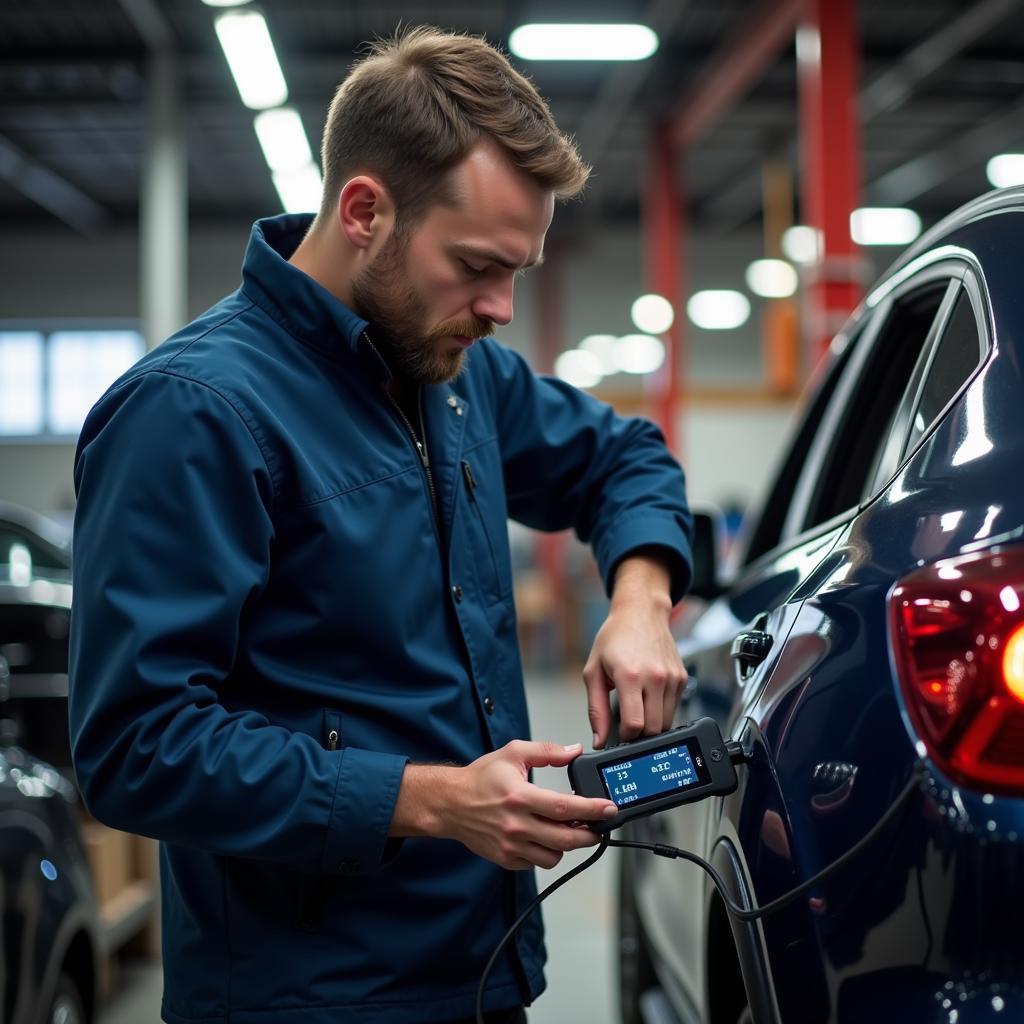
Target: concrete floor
(581, 968)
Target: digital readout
(651, 776)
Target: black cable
(742, 913)
(673, 852)
(557, 884)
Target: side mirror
(708, 532)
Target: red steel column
(664, 225)
(827, 47)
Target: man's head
(441, 167)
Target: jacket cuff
(364, 803)
(646, 530)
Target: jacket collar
(290, 297)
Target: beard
(383, 295)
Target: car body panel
(924, 923)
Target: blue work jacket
(272, 617)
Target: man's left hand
(634, 653)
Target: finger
(670, 703)
(654, 703)
(537, 754)
(547, 803)
(631, 710)
(556, 836)
(599, 709)
(541, 856)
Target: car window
(770, 518)
(869, 404)
(956, 357)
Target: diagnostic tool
(652, 774)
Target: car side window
(869, 405)
(956, 357)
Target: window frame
(47, 328)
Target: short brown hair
(416, 104)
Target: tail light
(958, 636)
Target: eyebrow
(494, 257)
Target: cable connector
(671, 852)
(737, 755)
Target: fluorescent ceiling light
(1005, 170)
(771, 279)
(884, 225)
(602, 346)
(283, 139)
(225, 3)
(653, 314)
(801, 244)
(639, 353)
(246, 42)
(718, 309)
(301, 190)
(583, 42)
(581, 369)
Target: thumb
(549, 755)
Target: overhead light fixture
(249, 50)
(583, 42)
(283, 139)
(602, 346)
(1005, 170)
(581, 369)
(718, 309)
(772, 279)
(884, 225)
(301, 190)
(225, 3)
(653, 314)
(802, 244)
(639, 353)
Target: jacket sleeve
(173, 542)
(571, 462)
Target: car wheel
(636, 975)
(67, 1006)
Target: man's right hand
(491, 807)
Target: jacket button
(489, 705)
(457, 592)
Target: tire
(66, 1006)
(636, 974)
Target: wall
(727, 449)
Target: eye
(472, 271)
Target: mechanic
(294, 656)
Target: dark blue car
(872, 622)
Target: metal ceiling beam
(735, 67)
(50, 190)
(915, 177)
(150, 23)
(888, 89)
(892, 87)
(621, 86)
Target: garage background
(130, 173)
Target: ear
(366, 213)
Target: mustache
(473, 327)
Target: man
(293, 653)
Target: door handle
(749, 649)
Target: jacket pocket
(501, 584)
(314, 893)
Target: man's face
(432, 293)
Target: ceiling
(942, 90)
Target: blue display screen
(653, 775)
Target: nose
(495, 302)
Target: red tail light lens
(958, 638)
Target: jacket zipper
(421, 446)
